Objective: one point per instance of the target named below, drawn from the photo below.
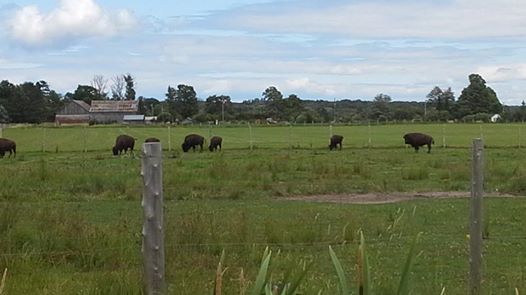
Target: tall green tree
(182, 101)
(85, 93)
(8, 93)
(293, 107)
(477, 98)
(29, 102)
(274, 103)
(380, 109)
(130, 87)
(218, 105)
(443, 101)
(272, 94)
(4, 116)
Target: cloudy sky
(317, 49)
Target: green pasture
(70, 221)
(97, 138)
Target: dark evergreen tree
(130, 87)
(477, 98)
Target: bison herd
(125, 143)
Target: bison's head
(115, 151)
(210, 147)
(185, 147)
(406, 139)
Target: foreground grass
(94, 247)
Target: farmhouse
(74, 112)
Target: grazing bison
(7, 145)
(214, 143)
(152, 139)
(335, 141)
(417, 140)
(191, 141)
(123, 143)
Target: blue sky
(315, 49)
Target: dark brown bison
(215, 142)
(335, 141)
(7, 145)
(123, 143)
(152, 139)
(417, 140)
(191, 141)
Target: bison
(152, 139)
(214, 143)
(7, 145)
(335, 141)
(191, 141)
(417, 140)
(123, 143)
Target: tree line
(35, 103)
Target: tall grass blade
(291, 287)
(268, 290)
(344, 286)
(2, 283)
(242, 283)
(403, 287)
(363, 268)
(261, 278)
(218, 284)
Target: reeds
(363, 270)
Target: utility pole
(223, 109)
(425, 110)
(334, 111)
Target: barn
(112, 111)
(73, 112)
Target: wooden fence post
(153, 226)
(475, 222)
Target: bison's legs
(416, 149)
(428, 148)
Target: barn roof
(114, 106)
(82, 104)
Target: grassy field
(99, 138)
(70, 220)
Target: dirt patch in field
(384, 198)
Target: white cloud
(16, 65)
(500, 73)
(72, 19)
(388, 19)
